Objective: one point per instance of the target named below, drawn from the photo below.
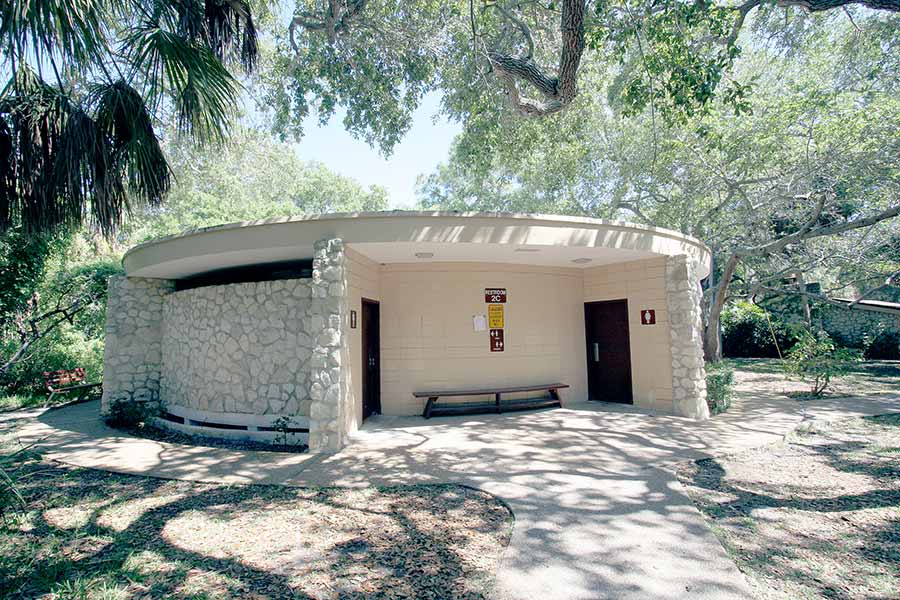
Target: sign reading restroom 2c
(495, 295)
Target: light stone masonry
(683, 295)
(240, 348)
(329, 365)
(269, 348)
(133, 355)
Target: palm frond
(37, 116)
(60, 167)
(204, 92)
(68, 29)
(7, 173)
(124, 120)
(231, 32)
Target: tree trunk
(711, 343)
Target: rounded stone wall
(242, 348)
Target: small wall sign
(495, 316)
(648, 316)
(479, 323)
(495, 295)
(352, 319)
(496, 340)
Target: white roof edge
(660, 231)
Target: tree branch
(559, 91)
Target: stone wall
(852, 326)
(133, 353)
(240, 348)
(683, 295)
(329, 366)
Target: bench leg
(497, 401)
(554, 395)
(428, 406)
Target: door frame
(364, 332)
(587, 349)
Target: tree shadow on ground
(791, 533)
(69, 539)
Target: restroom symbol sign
(496, 340)
(648, 316)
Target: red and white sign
(648, 316)
(496, 340)
(495, 295)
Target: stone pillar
(133, 354)
(683, 295)
(328, 379)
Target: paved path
(599, 513)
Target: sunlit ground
(817, 516)
(97, 535)
(863, 378)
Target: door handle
(596, 352)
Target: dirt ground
(101, 536)
(817, 516)
(871, 378)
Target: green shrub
(746, 332)
(719, 383)
(130, 415)
(817, 361)
(75, 344)
(884, 346)
(65, 348)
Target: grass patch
(18, 402)
(102, 536)
(817, 516)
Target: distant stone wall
(852, 326)
(683, 297)
(133, 357)
(240, 348)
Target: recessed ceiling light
(528, 250)
(424, 254)
(581, 261)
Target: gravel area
(817, 516)
(97, 535)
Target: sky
(425, 145)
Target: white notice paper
(479, 322)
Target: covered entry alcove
(295, 344)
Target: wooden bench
(66, 381)
(432, 409)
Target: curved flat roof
(413, 237)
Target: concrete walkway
(598, 511)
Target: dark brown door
(608, 351)
(371, 359)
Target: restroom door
(371, 358)
(608, 351)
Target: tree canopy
(249, 177)
(805, 185)
(89, 81)
(376, 58)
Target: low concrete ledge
(193, 416)
(267, 437)
(235, 426)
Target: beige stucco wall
(428, 340)
(362, 282)
(643, 284)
